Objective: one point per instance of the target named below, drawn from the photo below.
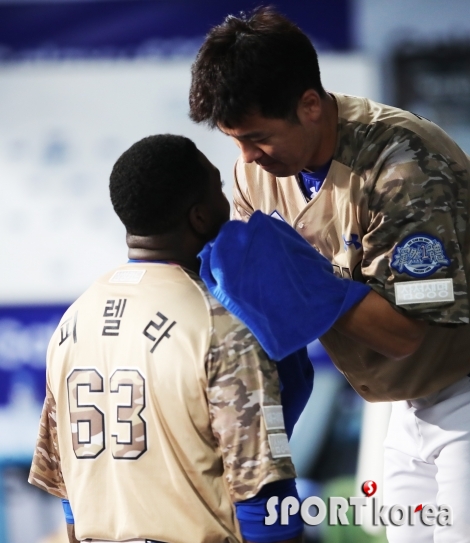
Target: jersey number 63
(125, 401)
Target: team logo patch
(419, 255)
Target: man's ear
(310, 105)
(200, 219)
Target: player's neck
(329, 132)
(167, 248)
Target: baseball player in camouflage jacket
(162, 411)
(384, 195)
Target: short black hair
(155, 182)
(261, 62)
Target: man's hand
(374, 323)
(71, 533)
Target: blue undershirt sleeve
(296, 378)
(68, 512)
(251, 514)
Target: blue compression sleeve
(251, 514)
(68, 512)
(296, 377)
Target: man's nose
(250, 152)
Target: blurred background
(80, 81)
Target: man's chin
(276, 169)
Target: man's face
(216, 201)
(279, 146)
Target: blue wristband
(68, 512)
(251, 514)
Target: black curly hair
(155, 182)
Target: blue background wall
(124, 27)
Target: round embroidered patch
(419, 255)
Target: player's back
(127, 371)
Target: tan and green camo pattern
(45, 469)
(393, 174)
(413, 183)
(241, 379)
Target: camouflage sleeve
(45, 470)
(242, 208)
(244, 403)
(417, 232)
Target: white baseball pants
(427, 461)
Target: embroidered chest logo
(354, 242)
(419, 255)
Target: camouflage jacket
(392, 212)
